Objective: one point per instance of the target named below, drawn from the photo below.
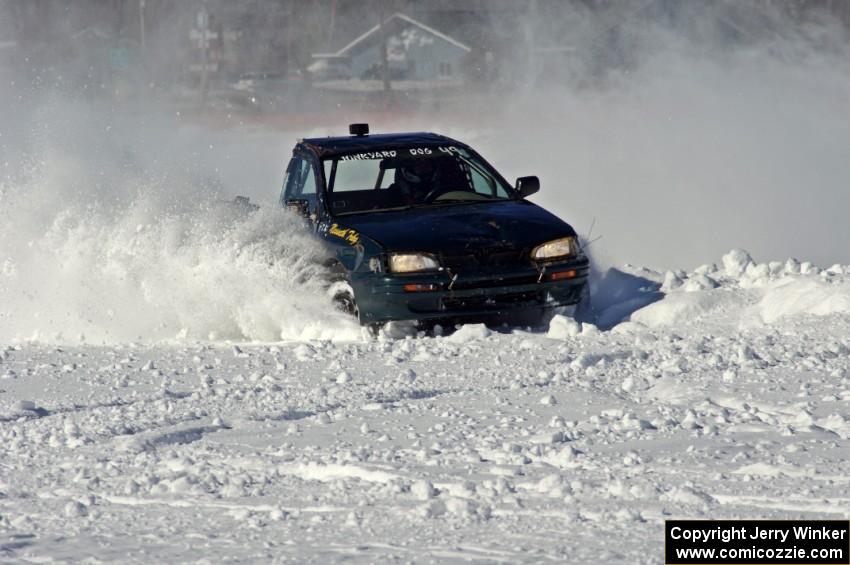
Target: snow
(710, 401)
(794, 297)
(744, 294)
(96, 255)
(469, 333)
(562, 327)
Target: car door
(301, 187)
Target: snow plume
(100, 243)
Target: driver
(416, 178)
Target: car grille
(463, 284)
(483, 259)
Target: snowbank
(745, 293)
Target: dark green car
(421, 227)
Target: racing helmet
(418, 173)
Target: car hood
(457, 227)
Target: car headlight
(412, 262)
(557, 248)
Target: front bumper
(381, 297)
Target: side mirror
(300, 207)
(526, 186)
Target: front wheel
(343, 298)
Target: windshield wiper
(460, 201)
(445, 200)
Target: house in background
(100, 57)
(416, 53)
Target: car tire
(342, 295)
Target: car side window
(300, 182)
(309, 184)
(484, 184)
(479, 183)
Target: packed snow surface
(719, 393)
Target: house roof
(91, 33)
(345, 51)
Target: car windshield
(396, 179)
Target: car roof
(342, 145)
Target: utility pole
(204, 24)
(385, 67)
(532, 27)
(290, 22)
(142, 38)
(332, 25)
